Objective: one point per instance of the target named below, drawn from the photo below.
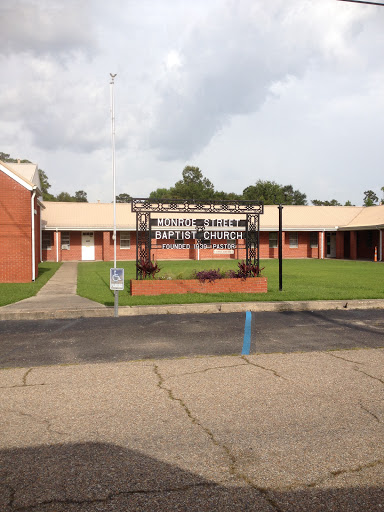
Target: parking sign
(116, 279)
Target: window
(293, 240)
(125, 240)
(65, 241)
(314, 240)
(47, 241)
(273, 240)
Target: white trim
(19, 180)
(41, 239)
(33, 233)
(381, 245)
(57, 245)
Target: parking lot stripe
(247, 334)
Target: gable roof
(26, 174)
(371, 217)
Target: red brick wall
(104, 249)
(177, 286)
(15, 232)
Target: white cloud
(245, 89)
(46, 28)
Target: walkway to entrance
(57, 294)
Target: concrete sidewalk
(268, 433)
(58, 299)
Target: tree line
(194, 185)
(79, 196)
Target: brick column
(106, 246)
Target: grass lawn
(302, 280)
(13, 292)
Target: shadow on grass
(44, 270)
(94, 476)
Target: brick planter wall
(171, 286)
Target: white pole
(113, 164)
(33, 233)
(112, 83)
(57, 245)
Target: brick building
(20, 226)
(83, 231)
(31, 231)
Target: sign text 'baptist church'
(224, 232)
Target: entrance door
(87, 246)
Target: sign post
(280, 247)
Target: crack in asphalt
(24, 384)
(232, 466)
(210, 369)
(343, 358)
(345, 471)
(371, 376)
(26, 375)
(109, 497)
(47, 423)
(264, 368)
(369, 412)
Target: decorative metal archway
(144, 207)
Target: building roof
(99, 217)
(25, 173)
(370, 217)
(89, 216)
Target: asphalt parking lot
(86, 340)
(165, 414)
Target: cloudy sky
(284, 90)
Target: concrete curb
(180, 309)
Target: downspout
(57, 245)
(41, 241)
(322, 246)
(381, 245)
(33, 232)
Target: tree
(5, 157)
(64, 197)
(348, 203)
(123, 198)
(161, 194)
(270, 192)
(382, 189)
(332, 202)
(81, 196)
(45, 186)
(293, 196)
(193, 185)
(370, 198)
(226, 196)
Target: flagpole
(112, 84)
